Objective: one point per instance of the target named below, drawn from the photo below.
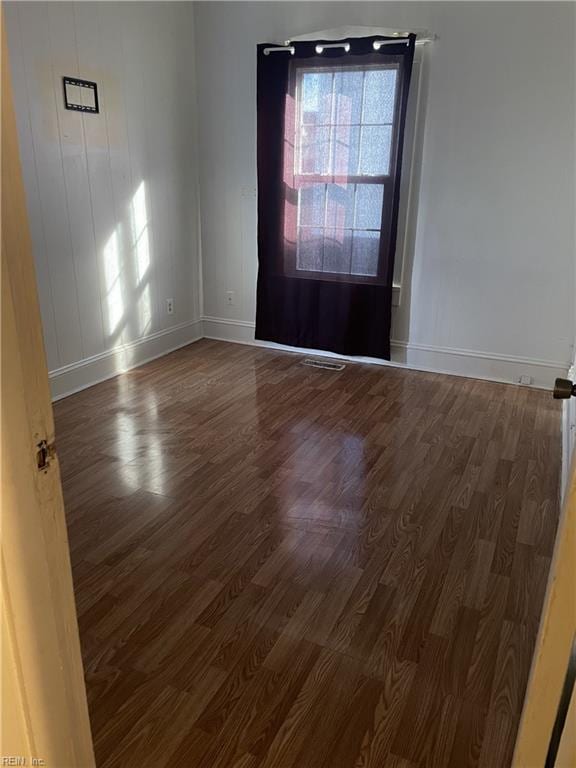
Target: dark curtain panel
(330, 133)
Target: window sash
(297, 179)
(330, 67)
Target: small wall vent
(323, 364)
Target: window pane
(310, 249)
(345, 130)
(369, 199)
(379, 94)
(375, 143)
(340, 205)
(337, 250)
(316, 107)
(348, 97)
(311, 205)
(346, 139)
(365, 253)
(315, 150)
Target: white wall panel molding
(112, 197)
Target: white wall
(112, 197)
(488, 281)
(490, 289)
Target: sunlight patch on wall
(145, 311)
(113, 278)
(141, 250)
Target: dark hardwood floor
(281, 566)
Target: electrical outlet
(169, 306)
(230, 298)
(525, 380)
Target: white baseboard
(458, 362)
(72, 378)
(84, 373)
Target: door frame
(44, 713)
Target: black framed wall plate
(80, 95)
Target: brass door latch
(44, 454)
(563, 389)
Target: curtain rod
(377, 44)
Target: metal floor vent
(323, 364)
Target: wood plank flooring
(279, 566)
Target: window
(345, 140)
(331, 121)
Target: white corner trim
(568, 435)
(84, 373)
(468, 363)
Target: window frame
(387, 181)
